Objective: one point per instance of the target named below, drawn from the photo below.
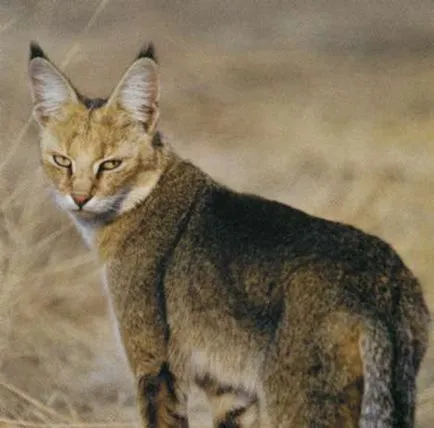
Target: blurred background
(324, 105)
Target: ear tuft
(148, 51)
(36, 51)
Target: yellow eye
(62, 161)
(109, 165)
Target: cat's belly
(230, 364)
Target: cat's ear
(138, 91)
(50, 88)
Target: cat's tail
(378, 404)
(391, 358)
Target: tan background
(325, 105)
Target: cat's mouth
(95, 208)
(101, 209)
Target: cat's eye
(109, 165)
(62, 161)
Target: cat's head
(101, 156)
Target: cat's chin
(91, 218)
(85, 215)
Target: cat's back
(245, 224)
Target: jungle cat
(284, 319)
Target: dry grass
(293, 102)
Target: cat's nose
(80, 200)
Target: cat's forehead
(97, 132)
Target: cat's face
(101, 161)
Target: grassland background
(324, 105)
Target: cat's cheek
(113, 182)
(103, 205)
(95, 205)
(64, 201)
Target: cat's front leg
(160, 398)
(161, 404)
(138, 303)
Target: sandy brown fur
(284, 319)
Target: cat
(282, 318)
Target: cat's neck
(158, 219)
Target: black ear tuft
(148, 51)
(36, 51)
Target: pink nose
(80, 200)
